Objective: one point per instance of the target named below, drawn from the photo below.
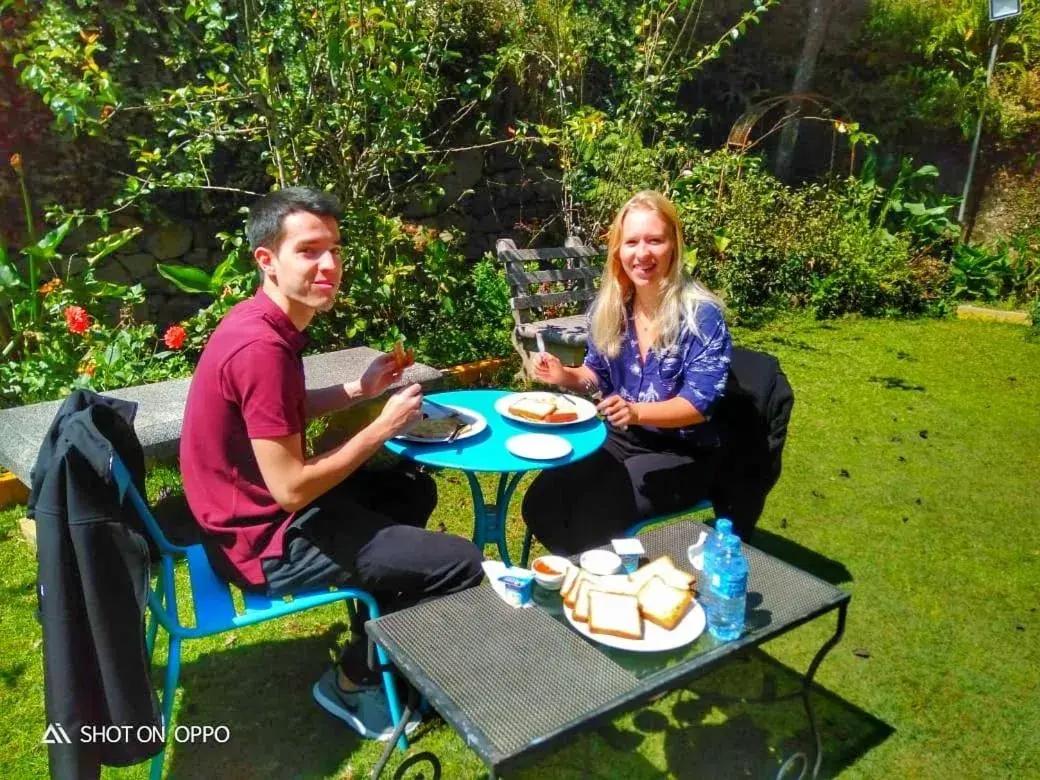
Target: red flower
(76, 319)
(174, 337)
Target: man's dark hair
(264, 226)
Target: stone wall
(491, 194)
(174, 241)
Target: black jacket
(753, 417)
(92, 586)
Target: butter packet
(515, 586)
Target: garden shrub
(761, 243)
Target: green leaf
(47, 247)
(186, 278)
(106, 245)
(111, 354)
(226, 272)
(9, 277)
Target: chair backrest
(548, 283)
(126, 489)
(166, 606)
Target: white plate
(586, 410)
(655, 639)
(475, 421)
(538, 446)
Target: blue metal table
(486, 452)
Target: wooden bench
(550, 291)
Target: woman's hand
(548, 368)
(380, 374)
(619, 412)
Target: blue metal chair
(634, 530)
(215, 610)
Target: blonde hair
(680, 295)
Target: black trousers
(637, 474)
(369, 532)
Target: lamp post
(999, 10)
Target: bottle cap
(724, 526)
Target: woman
(658, 352)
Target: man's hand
(548, 368)
(380, 374)
(619, 412)
(400, 411)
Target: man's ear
(265, 260)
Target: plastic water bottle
(728, 586)
(723, 528)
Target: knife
(447, 410)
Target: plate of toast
(651, 610)
(543, 408)
(443, 424)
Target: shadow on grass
(827, 569)
(896, 383)
(710, 731)
(262, 694)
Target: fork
(593, 392)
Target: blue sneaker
(364, 709)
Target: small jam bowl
(602, 562)
(549, 571)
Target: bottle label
(728, 586)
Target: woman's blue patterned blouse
(695, 369)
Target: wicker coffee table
(491, 670)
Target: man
(276, 520)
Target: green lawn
(910, 479)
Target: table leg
(435, 765)
(769, 695)
(806, 698)
(805, 692)
(392, 743)
(489, 520)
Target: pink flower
(174, 337)
(76, 319)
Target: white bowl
(602, 562)
(557, 564)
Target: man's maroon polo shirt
(249, 384)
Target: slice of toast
(581, 602)
(678, 578)
(568, 581)
(642, 575)
(662, 604)
(572, 594)
(568, 594)
(615, 614)
(620, 584)
(563, 411)
(533, 407)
